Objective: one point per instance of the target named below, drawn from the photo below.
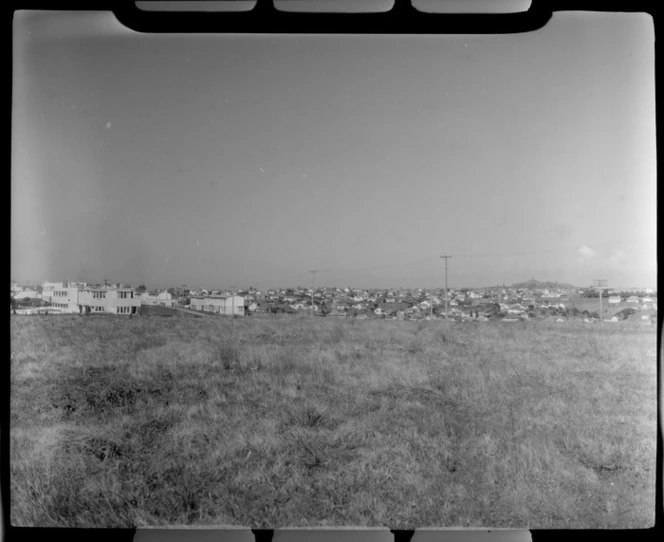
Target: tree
(142, 288)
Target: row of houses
(512, 302)
(614, 299)
(78, 297)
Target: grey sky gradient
(331, 6)
(197, 5)
(472, 6)
(247, 160)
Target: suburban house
(231, 305)
(164, 299)
(107, 300)
(632, 299)
(614, 299)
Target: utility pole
(313, 285)
(600, 283)
(445, 258)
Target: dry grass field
(293, 421)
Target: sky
(227, 161)
(348, 6)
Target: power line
(359, 272)
(554, 251)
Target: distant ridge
(535, 284)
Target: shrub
(228, 355)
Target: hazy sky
(248, 160)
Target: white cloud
(586, 252)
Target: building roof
(105, 289)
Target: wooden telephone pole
(313, 285)
(445, 258)
(600, 283)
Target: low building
(230, 305)
(64, 297)
(163, 299)
(108, 301)
(614, 299)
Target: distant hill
(535, 284)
